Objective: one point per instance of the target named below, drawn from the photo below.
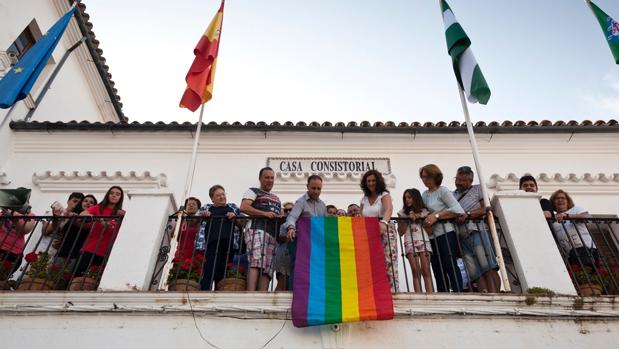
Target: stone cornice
(64, 181)
(246, 305)
(586, 183)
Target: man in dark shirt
(529, 184)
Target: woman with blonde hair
(443, 238)
(573, 237)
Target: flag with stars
(201, 75)
(610, 27)
(18, 82)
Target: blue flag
(18, 82)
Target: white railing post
(533, 248)
(136, 249)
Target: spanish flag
(201, 75)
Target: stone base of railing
(257, 305)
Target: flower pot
(183, 285)
(28, 284)
(589, 290)
(83, 284)
(231, 284)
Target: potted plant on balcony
(589, 282)
(235, 279)
(89, 281)
(185, 273)
(40, 275)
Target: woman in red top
(189, 229)
(102, 234)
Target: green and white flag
(465, 66)
(610, 27)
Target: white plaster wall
(172, 331)
(232, 159)
(70, 97)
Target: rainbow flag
(340, 273)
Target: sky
(358, 60)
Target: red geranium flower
(31, 257)
(67, 275)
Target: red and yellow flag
(201, 75)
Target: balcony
(134, 273)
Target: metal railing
(458, 258)
(589, 248)
(230, 247)
(54, 252)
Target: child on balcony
(416, 240)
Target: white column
(535, 253)
(136, 249)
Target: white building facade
(55, 156)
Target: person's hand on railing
(269, 214)
(230, 215)
(121, 212)
(206, 214)
(56, 244)
(560, 217)
(462, 218)
(383, 226)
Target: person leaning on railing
(308, 205)
(189, 230)
(217, 233)
(260, 238)
(12, 242)
(442, 205)
(376, 202)
(71, 236)
(102, 235)
(56, 228)
(573, 236)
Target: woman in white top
(416, 239)
(573, 237)
(377, 203)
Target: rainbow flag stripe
(340, 273)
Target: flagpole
(51, 79)
(190, 173)
(194, 156)
(484, 190)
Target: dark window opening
(28, 37)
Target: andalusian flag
(340, 273)
(610, 28)
(201, 75)
(465, 66)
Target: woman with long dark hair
(416, 239)
(103, 232)
(376, 202)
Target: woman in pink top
(102, 232)
(377, 203)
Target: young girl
(102, 233)
(416, 239)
